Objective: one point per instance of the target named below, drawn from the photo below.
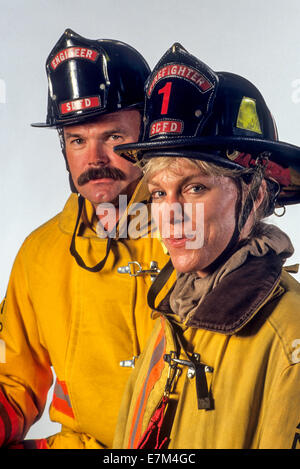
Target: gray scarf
(190, 290)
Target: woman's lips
(175, 242)
(179, 241)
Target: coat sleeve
(25, 369)
(281, 424)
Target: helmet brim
(71, 120)
(84, 117)
(282, 153)
(209, 148)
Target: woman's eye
(157, 195)
(196, 188)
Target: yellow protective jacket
(242, 388)
(83, 324)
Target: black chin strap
(159, 283)
(73, 250)
(239, 225)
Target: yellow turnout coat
(246, 391)
(83, 324)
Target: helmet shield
(171, 86)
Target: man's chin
(106, 191)
(103, 198)
(97, 193)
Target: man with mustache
(100, 173)
(73, 303)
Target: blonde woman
(221, 369)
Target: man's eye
(77, 141)
(115, 138)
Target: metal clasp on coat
(134, 269)
(191, 370)
(128, 363)
(198, 370)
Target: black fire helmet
(192, 111)
(87, 78)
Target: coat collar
(237, 298)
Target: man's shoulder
(52, 229)
(42, 236)
(44, 228)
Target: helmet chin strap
(239, 225)
(61, 136)
(73, 249)
(167, 270)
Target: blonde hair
(247, 180)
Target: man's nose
(97, 155)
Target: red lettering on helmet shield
(166, 127)
(165, 91)
(181, 71)
(79, 104)
(72, 53)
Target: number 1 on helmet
(166, 91)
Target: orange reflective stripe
(155, 368)
(64, 387)
(61, 400)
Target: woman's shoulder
(285, 316)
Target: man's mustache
(104, 172)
